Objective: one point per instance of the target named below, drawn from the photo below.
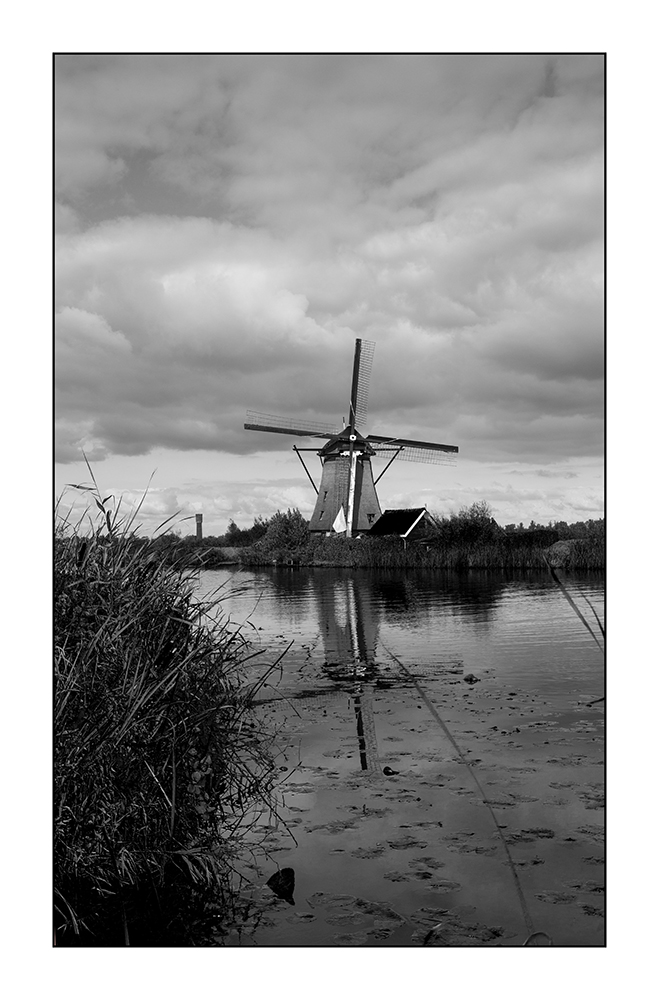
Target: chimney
(199, 518)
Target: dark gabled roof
(398, 522)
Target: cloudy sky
(228, 225)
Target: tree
(236, 536)
(233, 533)
(479, 511)
(285, 533)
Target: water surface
(474, 691)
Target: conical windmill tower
(346, 498)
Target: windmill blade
(428, 452)
(285, 425)
(361, 379)
(411, 454)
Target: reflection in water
(349, 624)
(359, 599)
(366, 733)
(282, 884)
(361, 738)
(526, 742)
(348, 620)
(517, 625)
(405, 599)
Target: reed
(594, 632)
(392, 553)
(158, 758)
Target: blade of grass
(569, 599)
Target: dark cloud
(228, 226)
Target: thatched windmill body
(346, 498)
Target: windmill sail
(361, 379)
(407, 450)
(285, 425)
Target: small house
(412, 524)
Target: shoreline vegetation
(159, 762)
(470, 539)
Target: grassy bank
(470, 539)
(157, 755)
(392, 553)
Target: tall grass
(392, 552)
(596, 633)
(157, 754)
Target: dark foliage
(157, 755)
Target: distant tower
(199, 518)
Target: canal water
(441, 758)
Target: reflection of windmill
(347, 500)
(366, 734)
(349, 626)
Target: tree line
(471, 536)
(470, 523)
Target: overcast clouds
(226, 226)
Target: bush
(156, 752)
(470, 525)
(286, 536)
(239, 537)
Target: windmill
(346, 498)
